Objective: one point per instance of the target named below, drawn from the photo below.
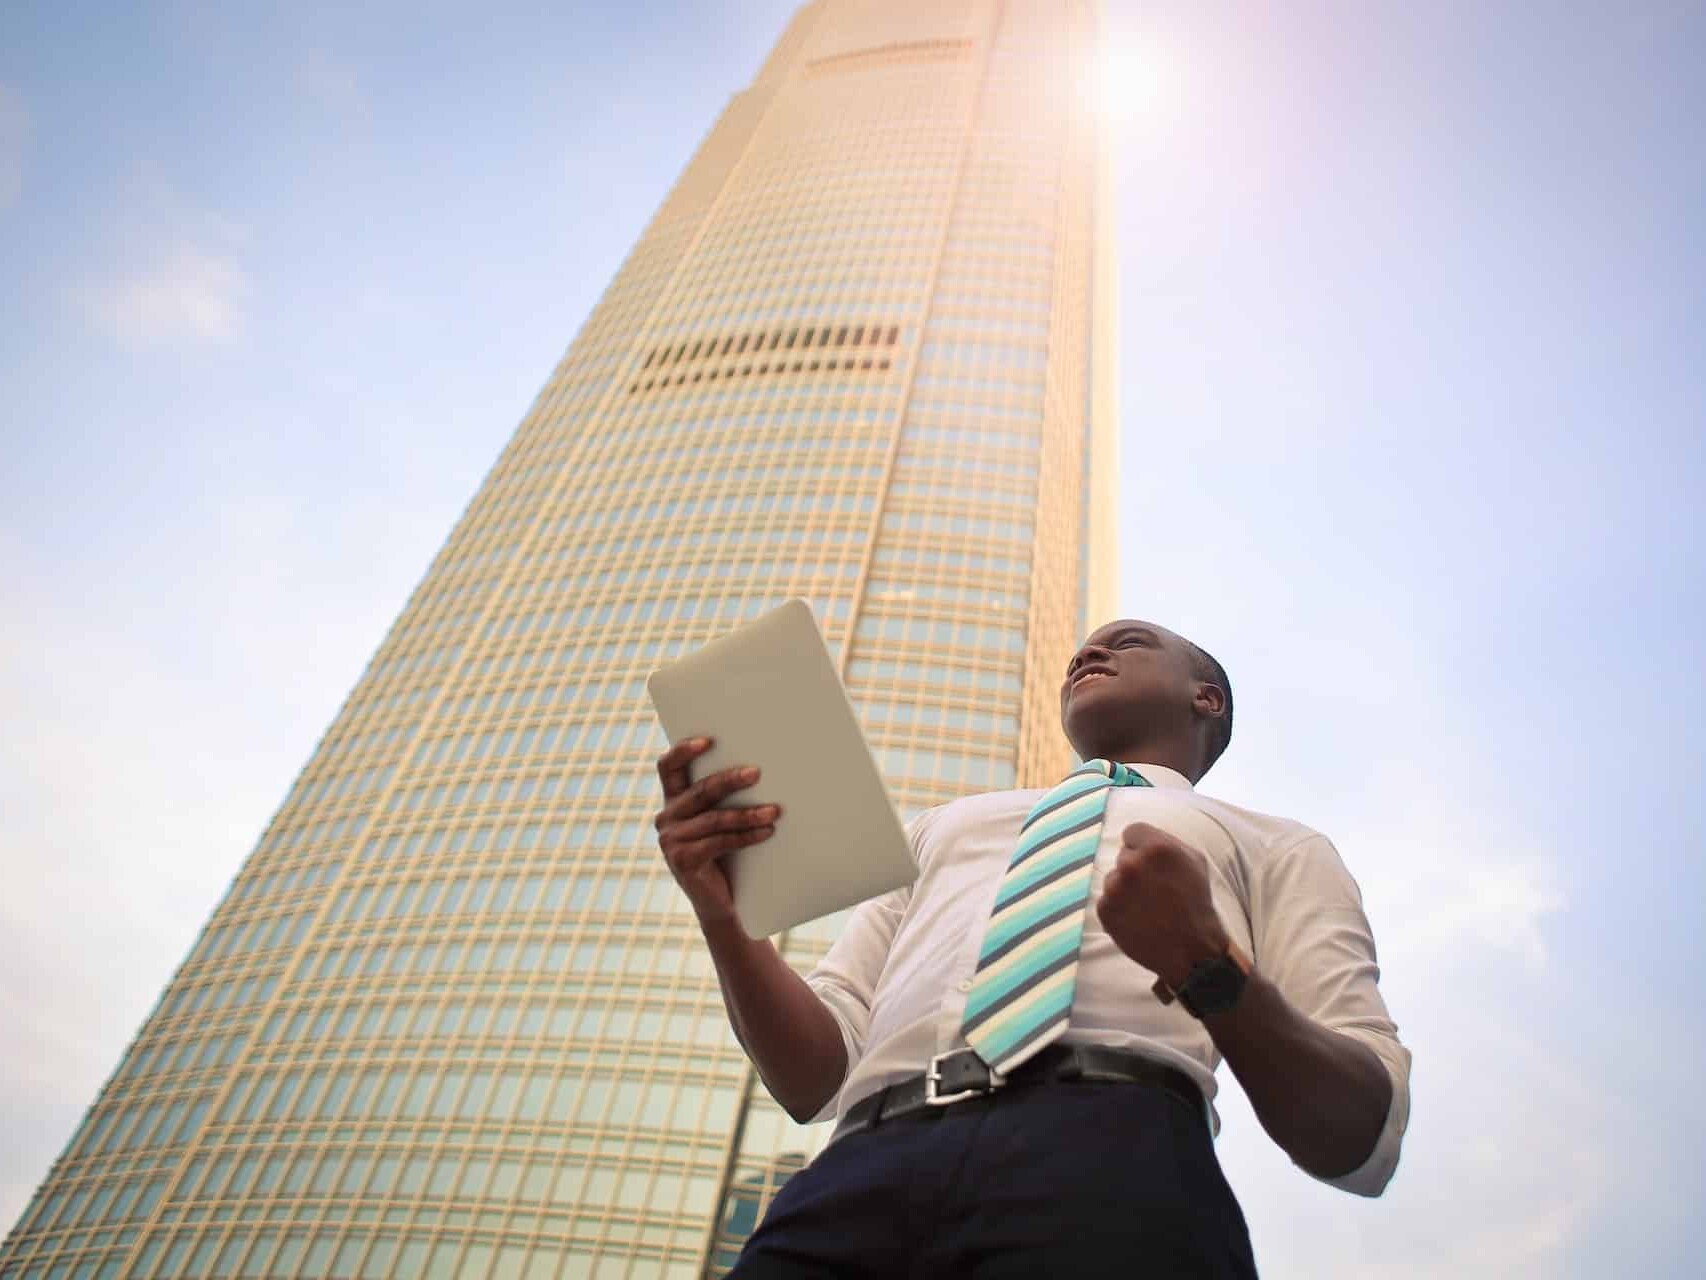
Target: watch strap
(1233, 952)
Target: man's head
(1160, 699)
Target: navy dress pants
(1063, 1179)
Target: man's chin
(1085, 744)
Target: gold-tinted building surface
(453, 1017)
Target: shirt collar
(1160, 776)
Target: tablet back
(768, 694)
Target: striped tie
(1022, 993)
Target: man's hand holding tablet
(780, 1022)
(695, 835)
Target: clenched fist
(1157, 906)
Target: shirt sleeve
(1313, 941)
(846, 977)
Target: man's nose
(1088, 653)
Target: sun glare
(1125, 83)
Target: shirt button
(963, 986)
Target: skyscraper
(453, 1017)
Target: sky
(1412, 307)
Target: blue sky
(1412, 396)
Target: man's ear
(1210, 700)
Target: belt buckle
(933, 1080)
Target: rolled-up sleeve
(846, 977)
(1313, 941)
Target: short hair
(1204, 666)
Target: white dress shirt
(897, 977)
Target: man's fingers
(705, 793)
(672, 764)
(694, 854)
(715, 821)
(1142, 833)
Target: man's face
(1123, 675)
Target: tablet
(768, 694)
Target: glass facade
(453, 1018)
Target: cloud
(173, 276)
(1496, 904)
(188, 293)
(1451, 881)
(1443, 897)
(14, 141)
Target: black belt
(961, 1074)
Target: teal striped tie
(1021, 995)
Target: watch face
(1213, 987)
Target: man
(1018, 1048)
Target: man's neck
(1179, 760)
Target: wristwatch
(1213, 986)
